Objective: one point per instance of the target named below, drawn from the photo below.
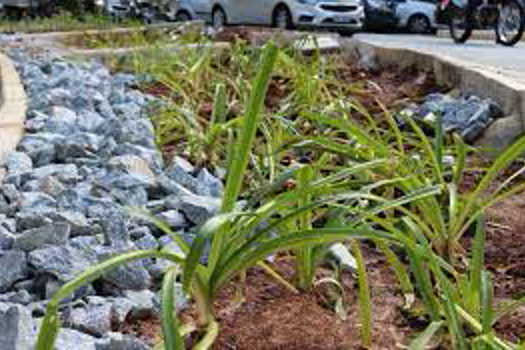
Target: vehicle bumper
(330, 15)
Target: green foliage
(63, 22)
(366, 180)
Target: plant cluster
(63, 22)
(360, 179)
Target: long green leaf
(461, 157)
(487, 297)
(453, 322)
(211, 227)
(422, 341)
(423, 282)
(476, 268)
(363, 295)
(170, 329)
(247, 255)
(244, 146)
(304, 257)
(438, 142)
(398, 268)
(50, 325)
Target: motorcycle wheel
(511, 23)
(460, 24)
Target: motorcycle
(506, 17)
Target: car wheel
(282, 18)
(419, 24)
(182, 16)
(219, 20)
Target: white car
(344, 15)
(417, 16)
(193, 9)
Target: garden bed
(333, 155)
(140, 36)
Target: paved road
(503, 60)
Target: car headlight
(307, 2)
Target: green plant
(431, 226)
(63, 21)
(50, 326)
(238, 242)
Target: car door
(248, 11)
(202, 8)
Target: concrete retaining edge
(467, 77)
(13, 106)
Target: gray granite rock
(173, 219)
(7, 223)
(90, 121)
(13, 267)
(69, 339)
(66, 173)
(115, 228)
(132, 276)
(94, 319)
(30, 219)
(468, 115)
(53, 234)
(118, 341)
(21, 297)
(145, 303)
(36, 201)
(78, 222)
(209, 185)
(6, 239)
(198, 209)
(17, 329)
(122, 308)
(133, 165)
(62, 121)
(67, 261)
(18, 163)
(49, 185)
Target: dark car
(413, 16)
(380, 14)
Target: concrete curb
(13, 106)
(467, 77)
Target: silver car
(417, 16)
(345, 15)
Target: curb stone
(13, 106)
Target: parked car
(417, 16)
(188, 10)
(17, 9)
(414, 16)
(343, 15)
(147, 10)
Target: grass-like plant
(64, 22)
(238, 241)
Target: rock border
(467, 77)
(13, 106)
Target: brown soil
(272, 317)
(148, 329)
(505, 258)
